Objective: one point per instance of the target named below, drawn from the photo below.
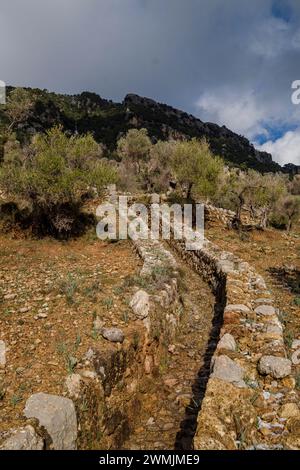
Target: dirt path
(170, 409)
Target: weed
(288, 338)
(94, 334)
(136, 340)
(69, 287)
(297, 301)
(15, 399)
(125, 316)
(108, 303)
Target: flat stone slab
(229, 371)
(23, 439)
(265, 310)
(57, 415)
(237, 308)
(277, 367)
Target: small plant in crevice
(15, 399)
(136, 340)
(68, 353)
(288, 338)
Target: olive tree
(159, 167)
(196, 168)
(18, 107)
(54, 175)
(134, 150)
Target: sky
(231, 62)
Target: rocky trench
(195, 370)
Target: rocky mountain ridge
(107, 121)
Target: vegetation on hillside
(108, 121)
(52, 172)
(53, 176)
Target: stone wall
(250, 400)
(103, 396)
(219, 217)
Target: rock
(296, 357)
(264, 300)
(24, 309)
(23, 439)
(229, 371)
(42, 315)
(265, 310)
(289, 410)
(114, 335)
(89, 355)
(98, 325)
(296, 344)
(72, 384)
(10, 296)
(140, 304)
(150, 421)
(89, 374)
(148, 364)
(2, 354)
(227, 342)
(171, 348)
(277, 367)
(57, 415)
(274, 329)
(289, 382)
(237, 308)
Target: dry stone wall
(250, 400)
(103, 395)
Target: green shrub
(54, 176)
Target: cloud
(232, 62)
(285, 149)
(240, 111)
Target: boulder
(227, 342)
(140, 304)
(23, 439)
(229, 371)
(115, 335)
(276, 367)
(57, 415)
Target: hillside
(88, 112)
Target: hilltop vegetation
(107, 121)
(48, 173)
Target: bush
(54, 176)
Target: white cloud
(240, 111)
(286, 149)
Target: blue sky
(230, 62)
